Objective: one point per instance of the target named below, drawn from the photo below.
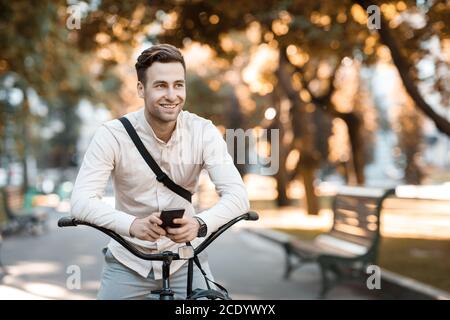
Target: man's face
(164, 92)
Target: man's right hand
(147, 228)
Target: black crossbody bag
(162, 177)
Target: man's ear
(140, 89)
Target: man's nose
(171, 95)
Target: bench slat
(348, 237)
(341, 245)
(371, 192)
(313, 249)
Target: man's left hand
(187, 231)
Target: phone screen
(168, 215)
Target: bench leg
(325, 280)
(288, 266)
(336, 271)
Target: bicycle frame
(166, 257)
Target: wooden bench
(351, 244)
(14, 217)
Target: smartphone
(167, 216)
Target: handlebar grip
(252, 216)
(67, 222)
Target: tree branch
(405, 74)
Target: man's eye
(179, 85)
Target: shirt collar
(148, 128)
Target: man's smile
(169, 105)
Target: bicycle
(184, 253)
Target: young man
(182, 144)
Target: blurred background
(359, 98)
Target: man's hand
(147, 228)
(187, 231)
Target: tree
(407, 59)
(323, 31)
(60, 65)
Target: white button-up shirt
(195, 144)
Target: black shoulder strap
(161, 176)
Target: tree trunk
(308, 173)
(413, 172)
(235, 122)
(281, 176)
(304, 132)
(312, 202)
(282, 181)
(354, 127)
(25, 142)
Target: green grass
(427, 261)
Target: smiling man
(182, 144)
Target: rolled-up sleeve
(86, 200)
(226, 178)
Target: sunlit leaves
(258, 74)
(359, 14)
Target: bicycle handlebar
(73, 222)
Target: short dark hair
(158, 53)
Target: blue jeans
(120, 282)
